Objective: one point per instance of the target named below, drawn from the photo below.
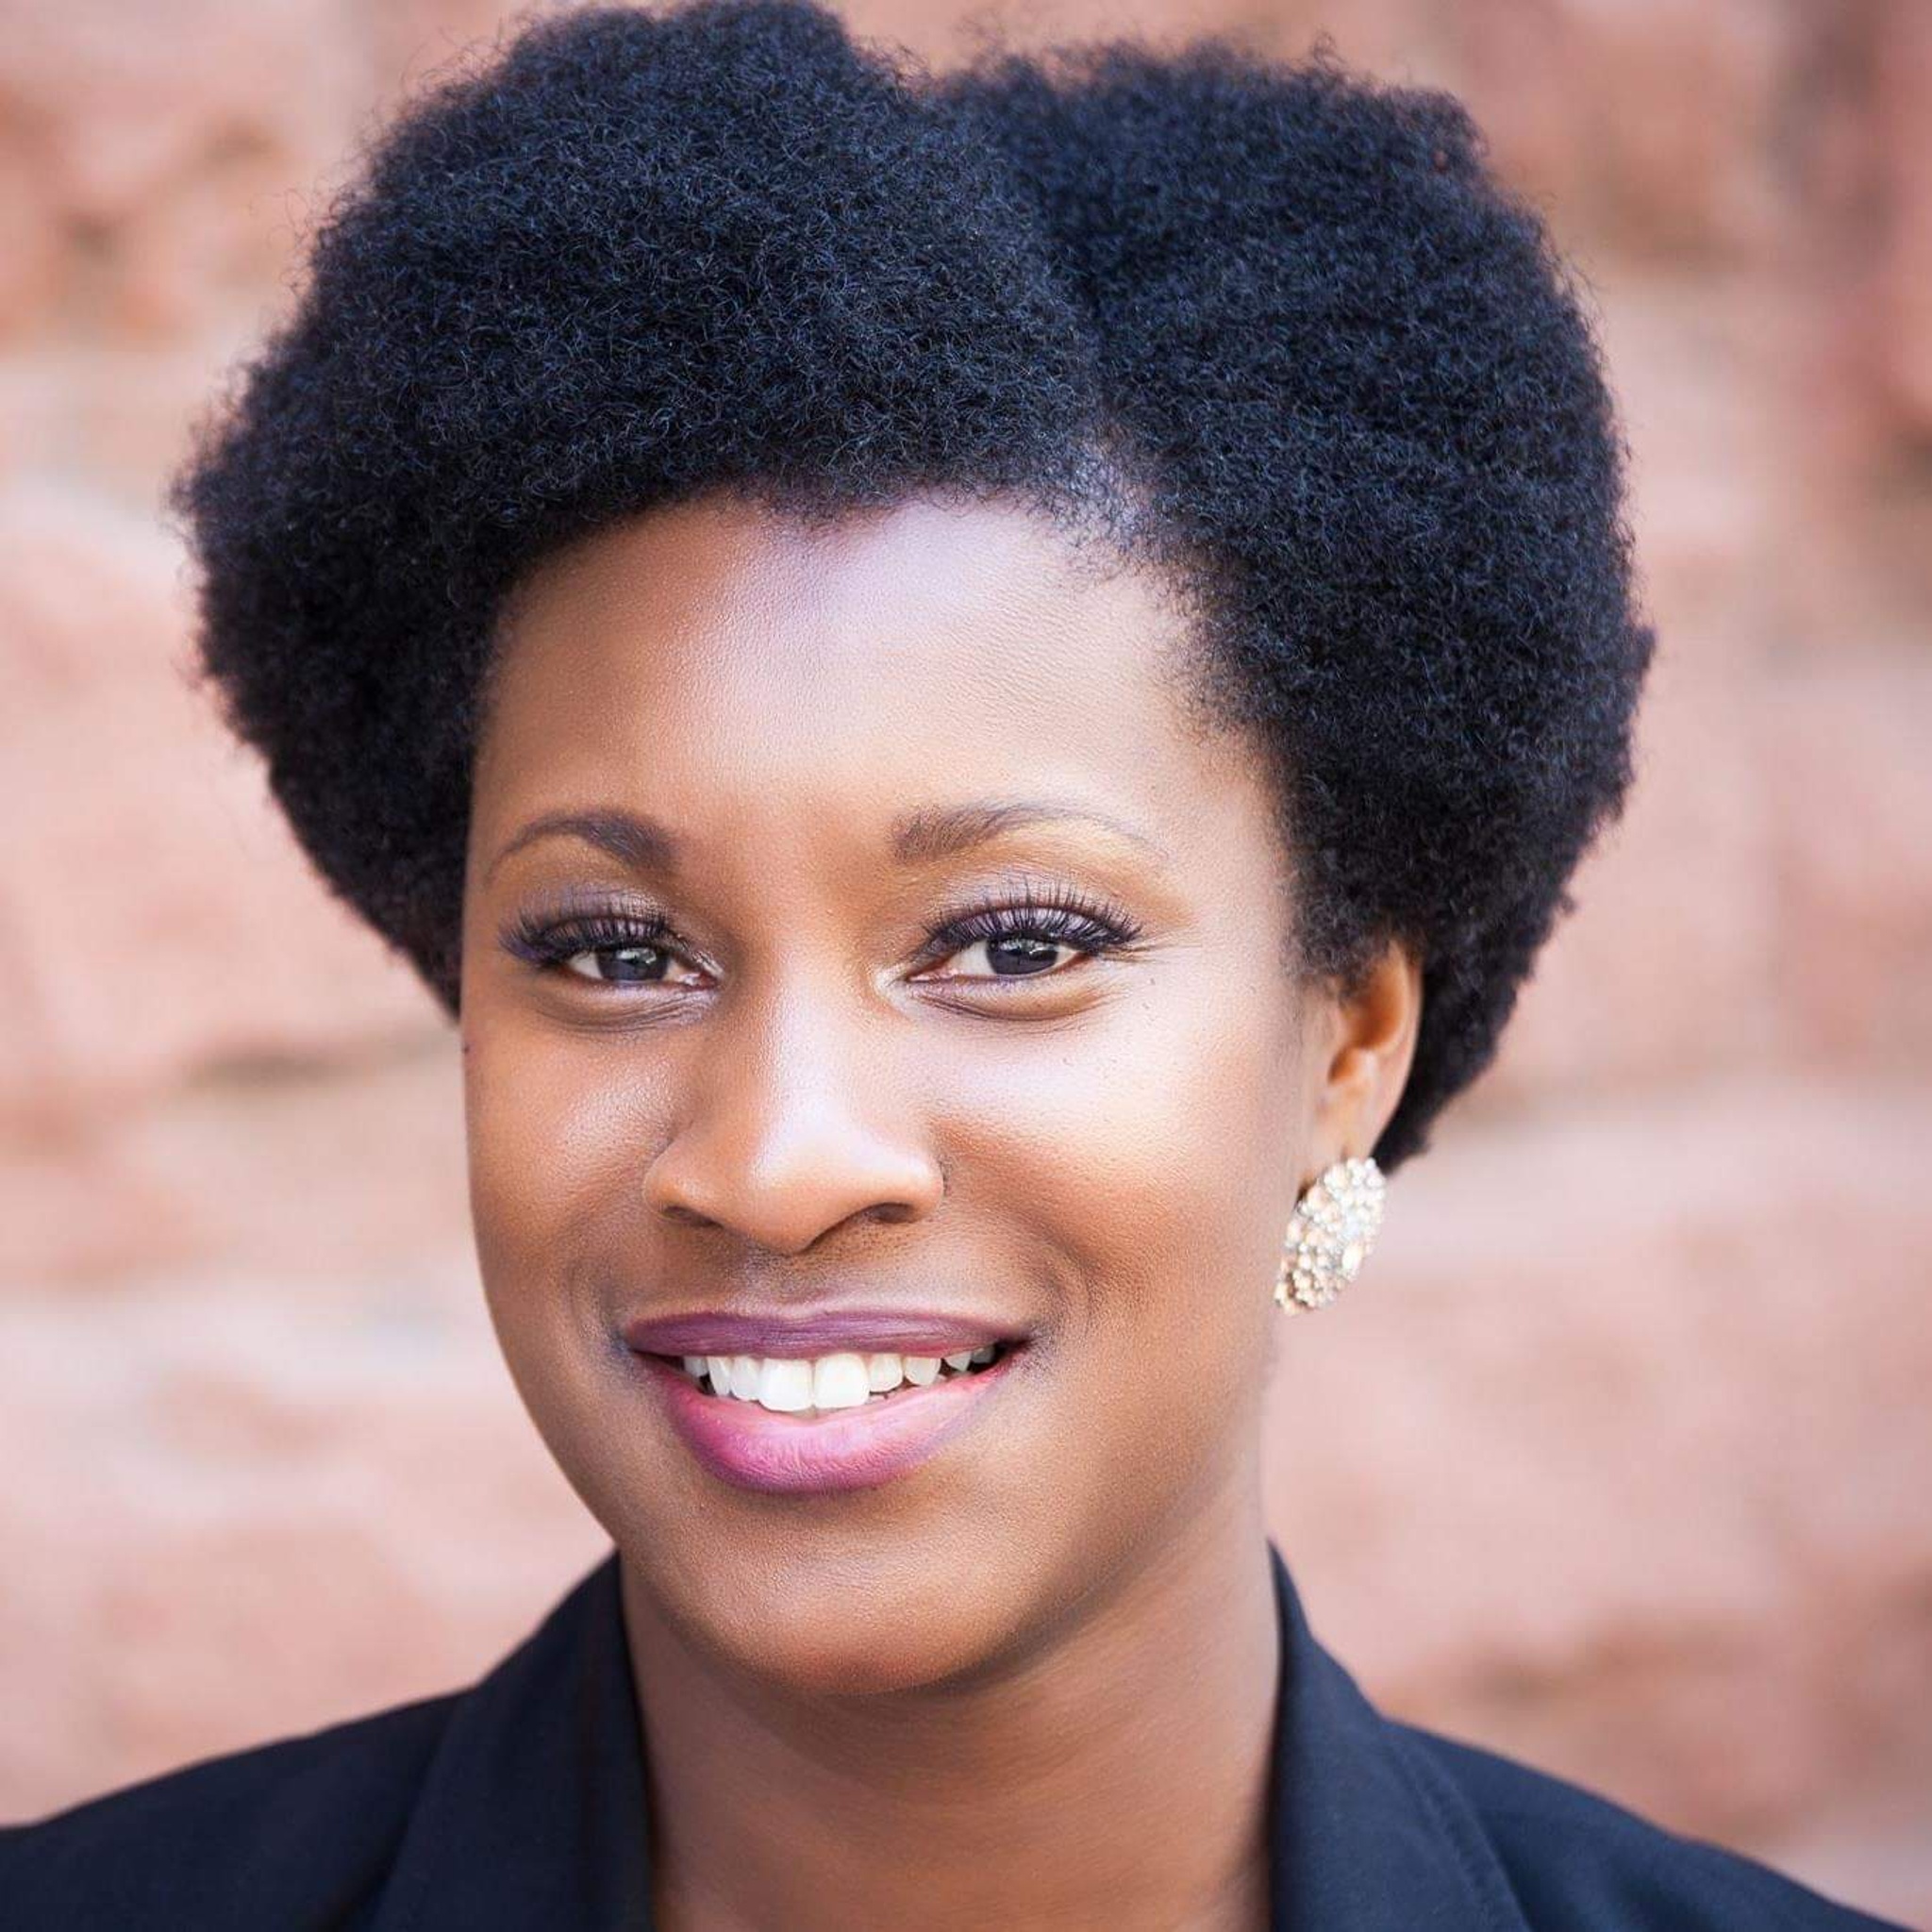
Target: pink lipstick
(820, 1401)
(817, 1331)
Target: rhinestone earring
(1330, 1236)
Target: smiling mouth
(809, 1387)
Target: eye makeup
(1014, 916)
(1050, 915)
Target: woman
(978, 693)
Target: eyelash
(1059, 915)
(554, 941)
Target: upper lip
(816, 1331)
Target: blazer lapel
(533, 1811)
(1368, 1836)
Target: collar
(533, 1808)
(1367, 1832)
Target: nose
(795, 1127)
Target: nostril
(685, 1217)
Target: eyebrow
(932, 832)
(631, 838)
(919, 837)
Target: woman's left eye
(1009, 942)
(1014, 956)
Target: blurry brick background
(1620, 1457)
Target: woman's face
(860, 928)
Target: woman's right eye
(606, 950)
(624, 965)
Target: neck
(1119, 1776)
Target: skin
(1028, 1683)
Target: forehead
(721, 653)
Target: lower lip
(756, 1448)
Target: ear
(1361, 1047)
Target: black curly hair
(1282, 311)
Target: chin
(812, 1614)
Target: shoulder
(1579, 1863)
(293, 1833)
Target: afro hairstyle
(1348, 387)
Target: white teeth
(785, 1385)
(790, 1384)
(838, 1381)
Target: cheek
(556, 1126)
(1159, 1173)
(557, 1129)
(1154, 1160)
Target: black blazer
(519, 1802)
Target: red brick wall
(1617, 1458)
